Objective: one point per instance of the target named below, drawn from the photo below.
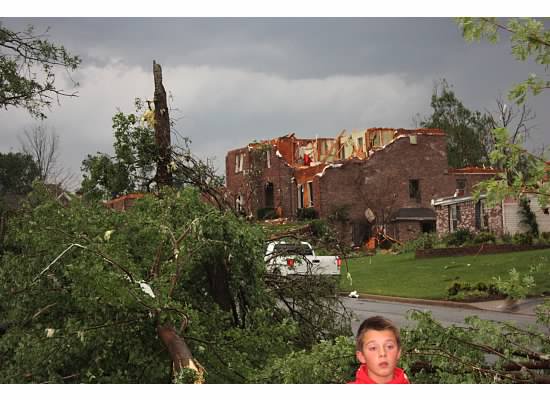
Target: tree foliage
(131, 169)
(17, 173)
(77, 287)
(28, 63)
(134, 164)
(529, 39)
(465, 129)
(522, 172)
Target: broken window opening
(545, 210)
(269, 195)
(300, 196)
(414, 189)
(376, 140)
(360, 144)
(239, 162)
(310, 193)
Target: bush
(319, 228)
(506, 238)
(523, 238)
(458, 237)
(528, 217)
(307, 213)
(423, 242)
(266, 213)
(468, 291)
(485, 237)
(516, 286)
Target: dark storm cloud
(293, 48)
(240, 79)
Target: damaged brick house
(380, 178)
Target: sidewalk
(525, 306)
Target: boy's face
(380, 353)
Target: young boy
(378, 348)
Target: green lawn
(403, 275)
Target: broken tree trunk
(179, 352)
(162, 129)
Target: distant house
(122, 203)
(60, 194)
(378, 179)
(464, 213)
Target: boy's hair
(377, 323)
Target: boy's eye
(371, 348)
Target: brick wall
(468, 218)
(442, 220)
(279, 174)
(407, 230)
(382, 182)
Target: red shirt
(362, 376)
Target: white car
(299, 259)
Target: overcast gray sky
(234, 80)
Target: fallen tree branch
(179, 352)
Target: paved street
(364, 308)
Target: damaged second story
(378, 178)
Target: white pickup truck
(299, 259)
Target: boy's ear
(361, 357)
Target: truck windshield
(293, 249)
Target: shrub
(528, 217)
(319, 228)
(423, 242)
(485, 237)
(458, 237)
(516, 286)
(523, 238)
(307, 213)
(266, 213)
(468, 291)
(506, 238)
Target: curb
(410, 300)
(442, 303)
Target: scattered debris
(146, 289)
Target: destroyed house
(375, 180)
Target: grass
(403, 275)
